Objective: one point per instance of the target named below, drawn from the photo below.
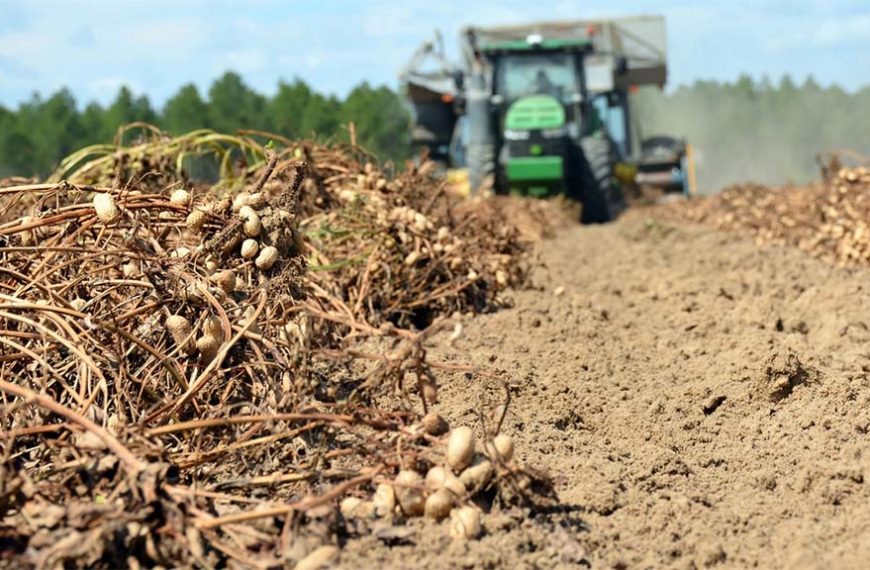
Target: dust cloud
(754, 131)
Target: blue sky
(155, 46)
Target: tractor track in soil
(700, 401)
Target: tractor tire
(594, 184)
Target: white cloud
(105, 88)
(19, 45)
(164, 36)
(93, 45)
(313, 60)
(826, 33)
(250, 60)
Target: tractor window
(616, 128)
(597, 119)
(610, 119)
(537, 74)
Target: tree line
(758, 130)
(41, 131)
(744, 130)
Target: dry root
(185, 371)
(829, 219)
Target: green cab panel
(530, 168)
(535, 112)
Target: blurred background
(759, 88)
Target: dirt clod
(712, 403)
(782, 373)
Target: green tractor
(543, 109)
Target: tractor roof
(639, 40)
(534, 42)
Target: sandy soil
(701, 402)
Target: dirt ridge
(702, 402)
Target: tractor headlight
(554, 133)
(516, 135)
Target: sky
(155, 46)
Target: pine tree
(233, 105)
(381, 120)
(126, 109)
(185, 111)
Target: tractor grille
(536, 145)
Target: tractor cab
(540, 109)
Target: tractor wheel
(501, 185)
(594, 183)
